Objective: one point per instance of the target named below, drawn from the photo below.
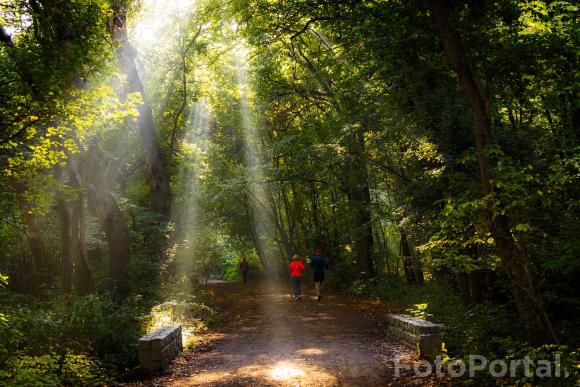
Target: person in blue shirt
(319, 264)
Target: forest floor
(268, 339)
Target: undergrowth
(490, 330)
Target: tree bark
(291, 223)
(463, 286)
(286, 250)
(356, 176)
(417, 266)
(405, 253)
(78, 232)
(514, 261)
(33, 234)
(66, 265)
(478, 286)
(157, 173)
(384, 247)
(112, 221)
(255, 237)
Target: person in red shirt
(296, 269)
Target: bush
(192, 316)
(563, 369)
(493, 331)
(110, 329)
(55, 370)
(339, 276)
(35, 337)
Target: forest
(431, 148)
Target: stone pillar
(158, 348)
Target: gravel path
(268, 339)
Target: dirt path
(269, 339)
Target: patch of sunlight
(318, 317)
(189, 315)
(284, 371)
(312, 351)
(419, 311)
(155, 16)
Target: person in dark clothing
(319, 264)
(244, 268)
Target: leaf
(523, 227)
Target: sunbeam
(186, 213)
(261, 219)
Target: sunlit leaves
(85, 114)
(460, 230)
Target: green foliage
(488, 330)
(339, 277)
(55, 370)
(110, 329)
(419, 311)
(92, 330)
(484, 329)
(233, 259)
(192, 316)
(433, 300)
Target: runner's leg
(298, 280)
(295, 287)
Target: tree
(515, 262)
(158, 175)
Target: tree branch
(307, 25)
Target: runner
(318, 264)
(296, 269)
(244, 268)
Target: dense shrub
(486, 329)
(192, 316)
(80, 341)
(54, 370)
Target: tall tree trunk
(359, 197)
(33, 234)
(463, 285)
(514, 261)
(66, 265)
(304, 229)
(291, 222)
(384, 247)
(84, 277)
(112, 221)
(478, 286)
(477, 279)
(417, 266)
(286, 250)
(157, 173)
(405, 253)
(255, 237)
(314, 213)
